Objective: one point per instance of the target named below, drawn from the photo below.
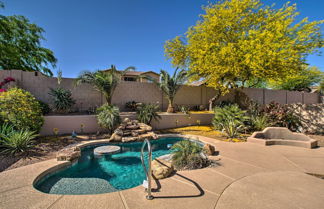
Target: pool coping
(19, 192)
(65, 164)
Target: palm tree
(103, 81)
(169, 85)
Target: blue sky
(93, 34)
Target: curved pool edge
(60, 165)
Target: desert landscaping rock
(69, 153)
(161, 168)
(209, 149)
(132, 130)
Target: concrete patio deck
(247, 176)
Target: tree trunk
(108, 98)
(212, 100)
(170, 107)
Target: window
(129, 79)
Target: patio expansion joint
(123, 199)
(58, 199)
(8, 190)
(242, 162)
(296, 165)
(220, 195)
(211, 192)
(220, 173)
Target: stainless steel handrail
(148, 171)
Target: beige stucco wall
(311, 116)
(67, 124)
(88, 98)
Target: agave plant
(108, 117)
(230, 119)
(16, 142)
(147, 112)
(103, 81)
(187, 155)
(62, 99)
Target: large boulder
(209, 149)
(161, 168)
(69, 153)
(115, 138)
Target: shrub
(20, 109)
(132, 105)
(147, 112)
(184, 109)
(260, 122)
(62, 99)
(4, 82)
(229, 119)
(5, 129)
(44, 107)
(280, 115)
(108, 117)
(15, 142)
(188, 155)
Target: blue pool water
(95, 175)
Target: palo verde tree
(237, 42)
(103, 81)
(20, 46)
(300, 81)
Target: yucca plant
(188, 155)
(108, 117)
(62, 99)
(147, 112)
(17, 141)
(103, 81)
(230, 119)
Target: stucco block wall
(311, 116)
(88, 98)
(68, 123)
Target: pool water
(96, 175)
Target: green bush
(20, 109)
(108, 117)
(184, 109)
(230, 119)
(280, 115)
(44, 107)
(260, 122)
(62, 99)
(13, 142)
(5, 129)
(147, 112)
(188, 155)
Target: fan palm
(170, 85)
(103, 81)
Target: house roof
(136, 73)
(197, 83)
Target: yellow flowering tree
(300, 81)
(20, 109)
(242, 42)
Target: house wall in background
(88, 98)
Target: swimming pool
(96, 175)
